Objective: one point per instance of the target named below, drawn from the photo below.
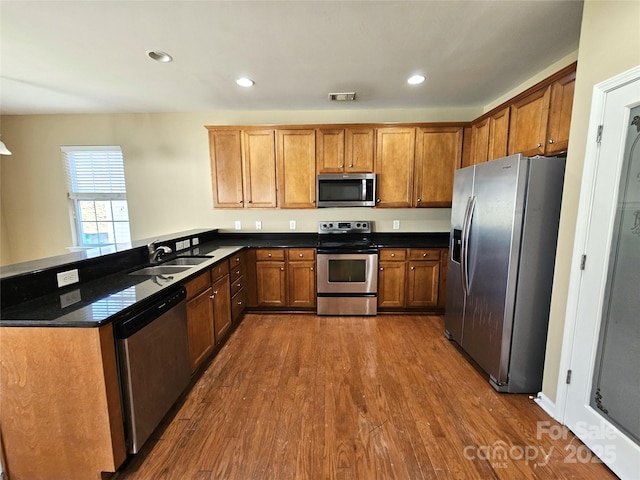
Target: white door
(602, 404)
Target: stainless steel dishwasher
(153, 355)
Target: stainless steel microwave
(348, 190)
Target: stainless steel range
(347, 269)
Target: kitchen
(171, 149)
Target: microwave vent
(342, 97)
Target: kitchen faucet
(156, 252)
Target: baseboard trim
(546, 404)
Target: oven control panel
(352, 226)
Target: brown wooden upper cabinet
(489, 137)
(395, 154)
(296, 167)
(438, 155)
(243, 168)
(540, 121)
(345, 150)
(480, 141)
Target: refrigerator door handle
(466, 228)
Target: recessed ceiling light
(416, 79)
(159, 56)
(245, 82)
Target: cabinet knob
(212, 297)
(419, 200)
(393, 254)
(351, 165)
(300, 255)
(341, 166)
(381, 268)
(268, 254)
(238, 285)
(377, 200)
(539, 145)
(240, 202)
(237, 272)
(249, 201)
(551, 140)
(413, 268)
(424, 254)
(281, 269)
(313, 201)
(311, 268)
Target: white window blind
(97, 195)
(94, 170)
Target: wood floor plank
(387, 397)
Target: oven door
(347, 273)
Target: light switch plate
(196, 241)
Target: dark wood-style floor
(386, 397)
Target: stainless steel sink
(186, 261)
(160, 270)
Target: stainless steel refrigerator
(504, 228)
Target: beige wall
(167, 172)
(606, 49)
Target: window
(97, 195)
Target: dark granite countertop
(104, 297)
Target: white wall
(607, 47)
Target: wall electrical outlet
(68, 278)
(258, 225)
(292, 224)
(238, 225)
(396, 224)
(196, 241)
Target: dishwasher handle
(140, 319)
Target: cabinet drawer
(235, 272)
(219, 271)
(237, 285)
(392, 254)
(198, 284)
(296, 254)
(424, 254)
(269, 254)
(236, 259)
(238, 304)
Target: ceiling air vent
(342, 97)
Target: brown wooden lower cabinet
(61, 413)
(409, 279)
(208, 312)
(285, 278)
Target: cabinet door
(395, 156)
(444, 269)
(296, 161)
(221, 307)
(226, 168)
(359, 150)
(259, 164)
(270, 284)
(301, 279)
(480, 141)
(391, 284)
(422, 283)
(330, 150)
(498, 134)
(528, 123)
(560, 114)
(200, 328)
(438, 154)
(467, 147)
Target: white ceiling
(90, 56)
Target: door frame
(583, 222)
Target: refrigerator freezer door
(462, 192)
(494, 248)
